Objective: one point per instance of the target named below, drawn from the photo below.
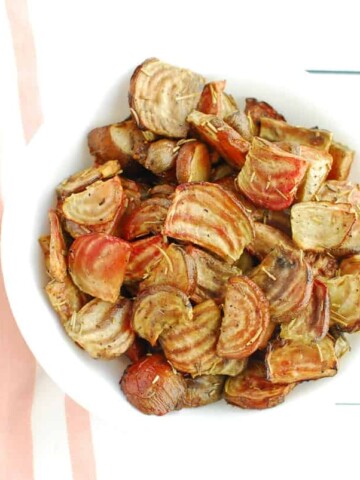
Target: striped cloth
(43, 433)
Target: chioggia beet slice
(191, 346)
(271, 176)
(251, 389)
(102, 329)
(157, 309)
(161, 96)
(245, 320)
(176, 268)
(145, 253)
(312, 323)
(206, 215)
(152, 386)
(97, 264)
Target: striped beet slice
(246, 317)
(102, 329)
(271, 176)
(157, 309)
(206, 215)
(145, 253)
(191, 346)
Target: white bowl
(60, 149)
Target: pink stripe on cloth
(80, 441)
(17, 380)
(25, 56)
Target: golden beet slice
(161, 156)
(193, 163)
(231, 146)
(267, 334)
(256, 109)
(65, 298)
(152, 386)
(246, 317)
(266, 239)
(146, 218)
(145, 253)
(203, 390)
(212, 275)
(191, 346)
(319, 165)
(290, 361)
(57, 249)
(350, 265)
(97, 264)
(312, 323)
(343, 158)
(120, 141)
(208, 216)
(110, 227)
(176, 268)
(80, 180)
(286, 280)
(96, 205)
(319, 226)
(157, 309)
(279, 131)
(161, 96)
(271, 176)
(344, 295)
(251, 389)
(102, 329)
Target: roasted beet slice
(80, 180)
(290, 361)
(286, 280)
(312, 323)
(191, 346)
(102, 329)
(215, 101)
(145, 253)
(157, 309)
(57, 249)
(161, 96)
(271, 176)
(97, 264)
(350, 265)
(208, 216)
(319, 226)
(231, 146)
(65, 298)
(344, 295)
(241, 122)
(279, 131)
(266, 239)
(212, 275)
(176, 268)
(251, 389)
(343, 158)
(152, 386)
(256, 110)
(161, 156)
(246, 317)
(146, 218)
(322, 264)
(193, 163)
